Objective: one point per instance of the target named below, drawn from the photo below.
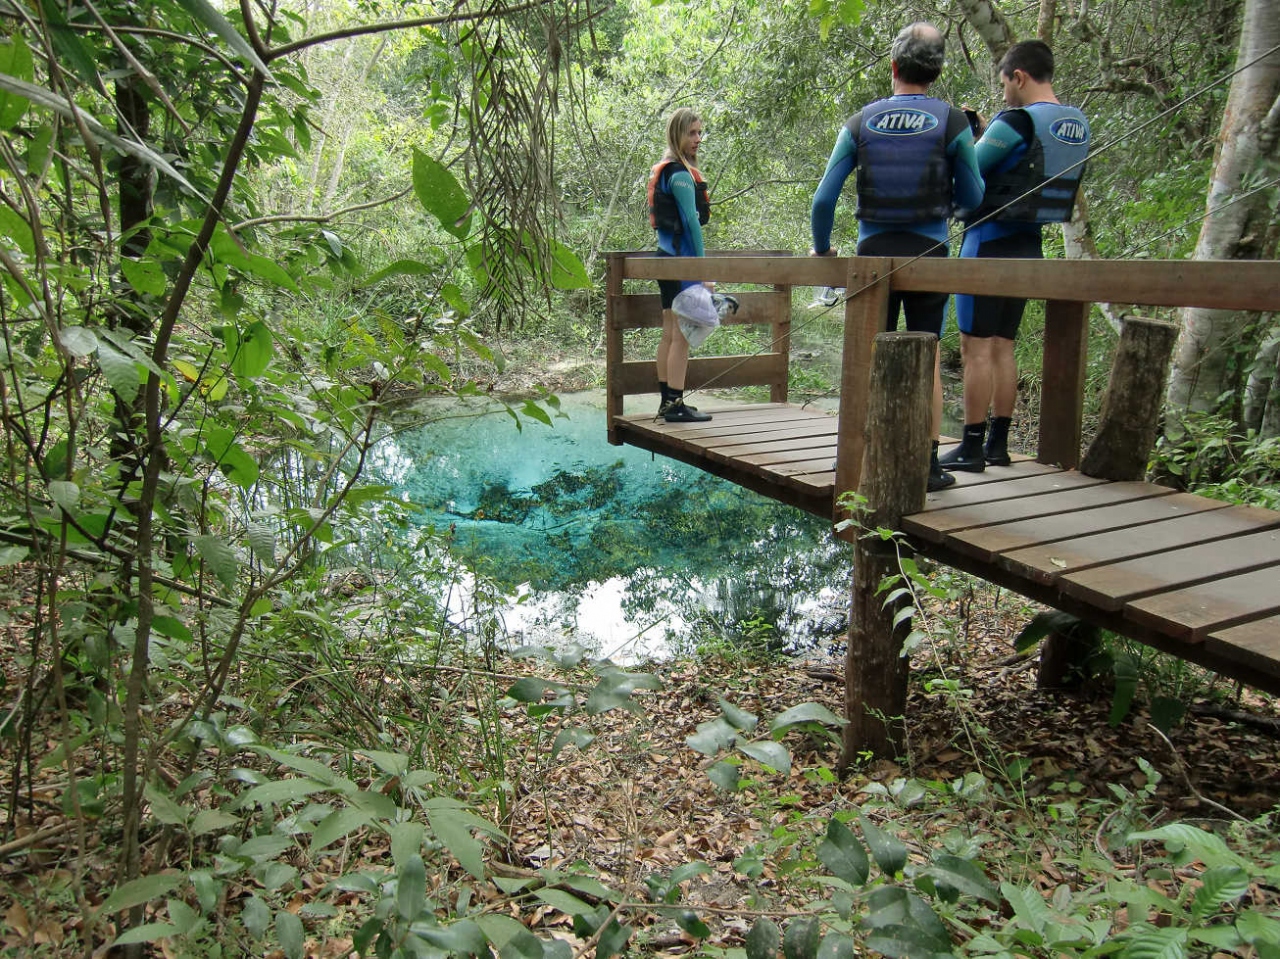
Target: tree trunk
(1202, 366)
(894, 475)
(990, 25)
(1131, 409)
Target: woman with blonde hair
(678, 209)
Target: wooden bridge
(1188, 575)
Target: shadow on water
(629, 554)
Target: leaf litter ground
(1056, 782)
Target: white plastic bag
(696, 313)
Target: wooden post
(612, 344)
(895, 473)
(1066, 341)
(865, 313)
(780, 339)
(1131, 409)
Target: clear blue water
(628, 554)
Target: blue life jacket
(1040, 184)
(903, 172)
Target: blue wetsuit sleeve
(822, 217)
(969, 186)
(999, 141)
(682, 188)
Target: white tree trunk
(989, 23)
(1201, 364)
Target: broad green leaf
(688, 920)
(1218, 886)
(963, 876)
(411, 888)
(531, 689)
(735, 717)
(893, 909)
(66, 494)
(763, 940)
(836, 945)
(13, 554)
(771, 754)
(802, 938)
(145, 276)
(212, 820)
(207, 15)
(249, 351)
(1201, 844)
(220, 557)
(569, 736)
(237, 465)
(522, 945)
(463, 938)
(841, 852)
(499, 929)
(78, 341)
(399, 268)
(406, 841)
(566, 902)
(1028, 905)
(72, 51)
(453, 828)
(567, 271)
(262, 541)
(277, 792)
(441, 194)
(534, 411)
(255, 915)
(1255, 926)
(890, 854)
(17, 230)
(712, 736)
(172, 628)
(292, 935)
(1150, 942)
(262, 848)
(613, 941)
(122, 372)
(15, 60)
(140, 891)
(267, 269)
(337, 825)
(725, 775)
(393, 764)
(147, 932)
(163, 808)
(805, 713)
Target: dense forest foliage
(237, 237)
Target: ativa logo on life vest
(1069, 130)
(902, 122)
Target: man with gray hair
(915, 162)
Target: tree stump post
(1120, 451)
(1131, 408)
(894, 475)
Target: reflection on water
(631, 554)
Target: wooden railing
(1069, 287)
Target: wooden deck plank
(1191, 614)
(987, 542)
(1255, 645)
(815, 453)
(1020, 498)
(732, 445)
(1110, 587)
(1214, 521)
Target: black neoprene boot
(968, 457)
(997, 451)
(938, 477)
(665, 403)
(681, 412)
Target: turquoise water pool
(629, 554)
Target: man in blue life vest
(915, 164)
(1032, 157)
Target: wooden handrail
(1069, 287)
